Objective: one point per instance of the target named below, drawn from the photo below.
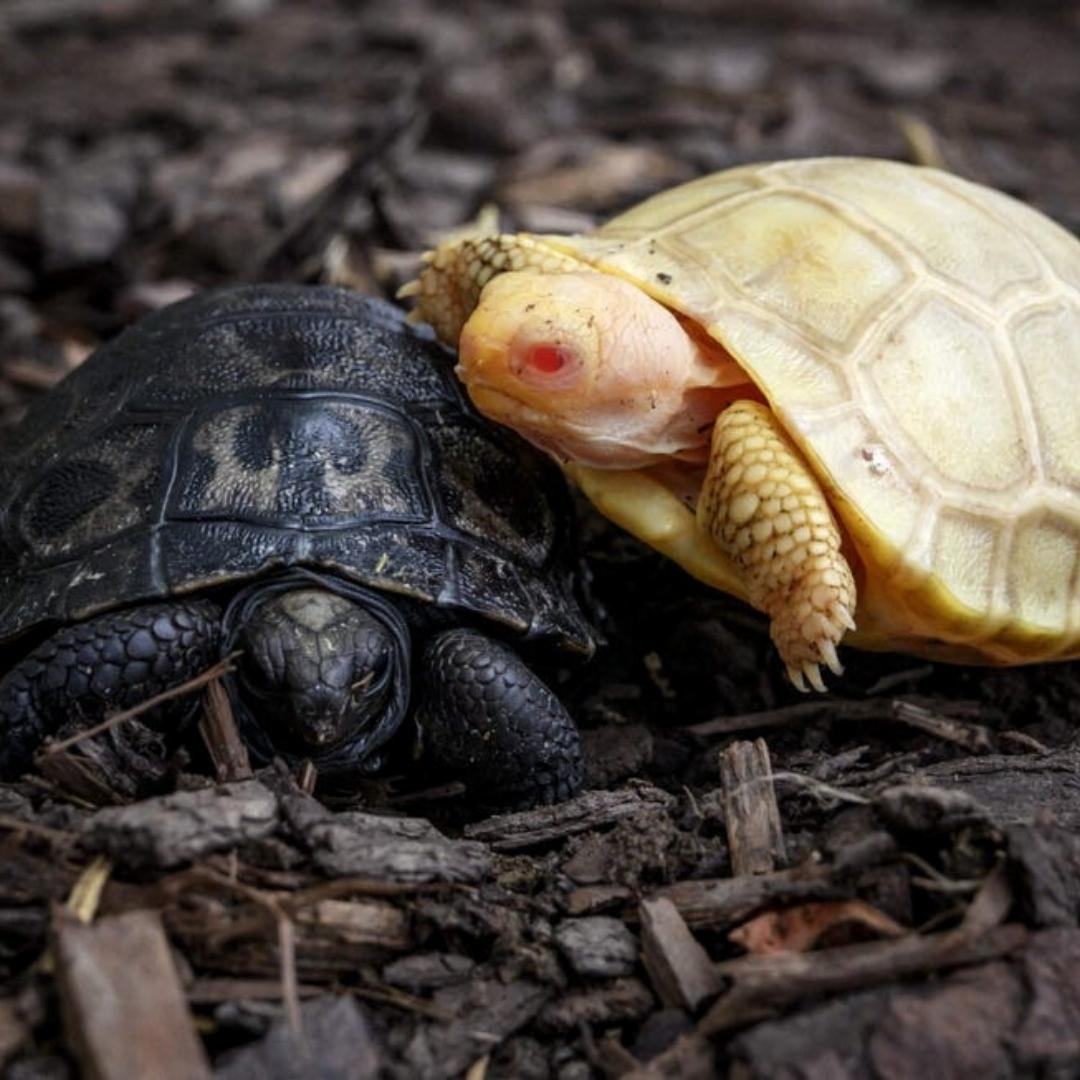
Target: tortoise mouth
(511, 411)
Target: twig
(1021, 739)
(307, 776)
(18, 825)
(935, 880)
(223, 741)
(751, 815)
(824, 793)
(974, 737)
(222, 667)
(788, 714)
(390, 995)
(766, 985)
(898, 678)
(290, 991)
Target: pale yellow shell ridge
(919, 337)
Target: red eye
(547, 359)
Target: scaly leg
(112, 661)
(765, 509)
(488, 719)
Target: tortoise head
(322, 671)
(588, 367)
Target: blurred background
(149, 147)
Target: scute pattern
(952, 314)
(1042, 572)
(475, 495)
(277, 426)
(1045, 339)
(293, 461)
(978, 253)
(99, 492)
(811, 268)
(964, 417)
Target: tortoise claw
(843, 616)
(832, 661)
(813, 676)
(795, 675)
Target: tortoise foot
(113, 661)
(488, 719)
(766, 510)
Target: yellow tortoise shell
(918, 335)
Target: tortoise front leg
(765, 509)
(113, 661)
(484, 716)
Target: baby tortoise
(842, 389)
(293, 473)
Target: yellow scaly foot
(766, 511)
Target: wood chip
(227, 749)
(590, 899)
(762, 986)
(719, 902)
(594, 809)
(680, 969)
(921, 808)
(123, 1006)
(359, 922)
(494, 1012)
(620, 1001)
(369, 846)
(422, 972)
(178, 828)
(215, 991)
(597, 946)
(690, 1057)
(752, 817)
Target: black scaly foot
(488, 719)
(113, 661)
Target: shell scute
(794, 257)
(942, 384)
(1045, 340)
(1042, 573)
(943, 231)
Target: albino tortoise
(807, 382)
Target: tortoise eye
(547, 359)
(545, 365)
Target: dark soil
(923, 846)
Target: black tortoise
(292, 472)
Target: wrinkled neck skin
(591, 369)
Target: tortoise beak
(321, 723)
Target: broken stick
(751, 815)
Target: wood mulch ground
(884, 881)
